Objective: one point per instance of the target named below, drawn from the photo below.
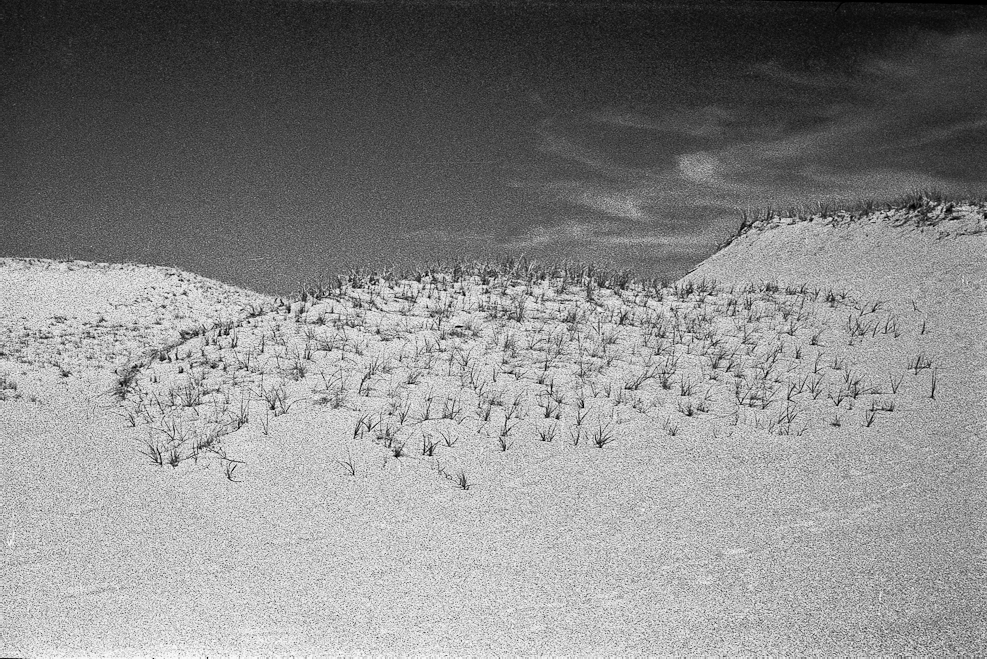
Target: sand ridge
(779, 453)
(75, 317)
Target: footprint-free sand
(782, 453)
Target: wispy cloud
(625, 204)
(544, 236)
(703, 168)
(706, 121)
(556, 142)
(816, 80)
(932, 135)
(623, 119)
(872, 133)
(915, 99)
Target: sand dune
(80, 315)
(783, 452)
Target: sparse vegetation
(8, 387)
(499, 355)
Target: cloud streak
(877, 132)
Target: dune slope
(518, 459)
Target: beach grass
(512, 351)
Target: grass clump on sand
(8, 388)
(920, 209)
(490, 355)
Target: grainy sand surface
(774, 476)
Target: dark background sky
(260, 143)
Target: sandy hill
(78, 316)
(783, 452)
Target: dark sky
(260, 143)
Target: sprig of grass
(462, 482)
(428, 445)
(919, 363)
(126, 378)
(603, 435)
(460, 479)
(548, 434)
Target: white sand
(729, 537)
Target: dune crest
(782, 452)
(79, 315)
